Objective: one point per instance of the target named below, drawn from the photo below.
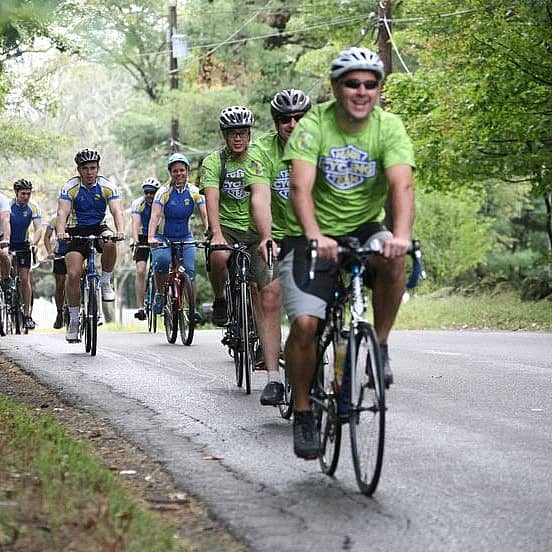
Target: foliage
(455, 237)
(471, 65)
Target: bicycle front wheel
(170, 314)
(247, 327)
(150, 296)
(325, 410)
(186, 314)
(367, 416)
(17, 309)
(92, 316)
(3, 314)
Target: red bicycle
(179, 312)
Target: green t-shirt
(350, 187)
(266, 166)
(235, 198)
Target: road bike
(12, 306)
(91, 299)
(348, 386)
(179, 313)
(149, 292)
(240, 335)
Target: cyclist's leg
(141, 267)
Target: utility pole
(173, 75)
(384, 40)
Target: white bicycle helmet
(236, 116)
(151, 183)
(289, 101)
(86, 156)
(357, 59)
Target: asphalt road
(468, 458)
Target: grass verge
(54, 495)
(500, 312)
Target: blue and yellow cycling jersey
(88, 205)
(142, 208)
(61, 246)
(178, 206)
(20, 219)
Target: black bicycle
(90, 306)
(240, 335)
(149, 292)
(348, 387)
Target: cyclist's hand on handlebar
(263, 249)
(119, 236)
(4, 244)
(327, 247)
(64, 237)
(51, 256)
(154, 242)
(218, 239)
(396, 247)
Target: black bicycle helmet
(22, 184)
(289, 101)
(86, 156)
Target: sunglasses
(148, 192)
(286, 119)
(356, 84)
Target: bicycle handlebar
(91, 237)
(352, 247)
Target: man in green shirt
(228, 202)
(267, 176)
(346, 155)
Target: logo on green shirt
(346, 167)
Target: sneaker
(273, 394)
(158, 303)
(59, 320)
(140, 314)
(306, 440)
(72, 335)
(198, 319)
(29, 323)
(220, 316)
(100, 319)
(387, 373)
(108, 293)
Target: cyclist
(267, 175)
(24, 211)
(228, 205)
(172, 208)
(346, 156)
(4, 243)
(141, 212)
(57, 254)
(85, 198)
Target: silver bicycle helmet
(22, 184)
(86, 156)
(357, 59)
(151, 183)
(289, 101)
(236, 116)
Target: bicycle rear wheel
(170, 313)
(367, 416)
(186, 315)
(92, 315)
(325, 410)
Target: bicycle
(240, 335)
(12, 310)
(91, 301)
(348, 386)
(179, 300)
(149, 293)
